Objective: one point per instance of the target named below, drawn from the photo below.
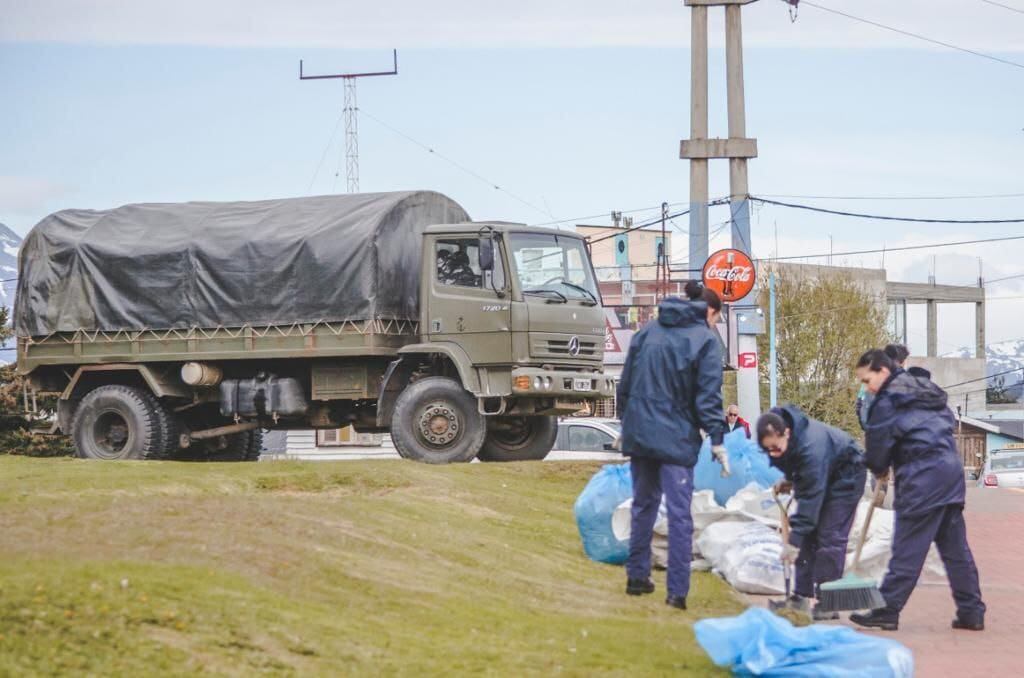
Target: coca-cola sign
(730, 273)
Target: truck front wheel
(519, 438)
(436, 421)
(121, 422)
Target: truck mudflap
(561, 384)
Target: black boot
(676, 601)
(638, 587)
(976, 624)
(883, 618)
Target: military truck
(184, 330)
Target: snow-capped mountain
(9, 244)
(1006, 356)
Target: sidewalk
(995, 530)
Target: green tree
(823, 325)
(20, 431)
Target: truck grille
(550, 347)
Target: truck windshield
(554, 266)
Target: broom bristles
(849, 593)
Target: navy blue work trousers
(651, 478)
(822, 554)
(912, 537)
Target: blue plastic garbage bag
(759, 643)
(749, 465)
(609, 487)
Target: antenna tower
(351, 117)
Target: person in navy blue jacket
(824, 468)
(910, 428)
(670, 390)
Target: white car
(1004, 468)
(586, 438)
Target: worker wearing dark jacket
(910, 428)
(669, 391)
(824, 468)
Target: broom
(853, 592)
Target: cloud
(471, 23)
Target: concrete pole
(748, 390)
(933, 328)
(979, 330)
(738, 189)
(773, 367)
(698, 130)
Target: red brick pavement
(995, 531)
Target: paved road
(995, 530)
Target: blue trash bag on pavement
(759, 643)
(609, 487)
(748, 464)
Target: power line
(604, 214)
(973, 381)
(669, 217)
(917, 36)
(323, 156)
(1007, 278)
(456, 164)
(999, 4)
(919, 220)
(990, 196)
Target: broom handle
(879, 488)
(784, 511)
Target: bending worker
(671, 388)
(910, 428)
(824, 468)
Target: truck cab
(517, 311)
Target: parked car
(586, 438)
(1003, 468)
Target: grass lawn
(376, 567)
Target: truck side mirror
(486, 248)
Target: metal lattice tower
(351, 112)
(351, 136)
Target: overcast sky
(573, 108)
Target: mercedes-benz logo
(574, 346)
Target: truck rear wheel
(244, 446)
(519, 438)
(436, 421)
(121, 422)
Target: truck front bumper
(535, 381)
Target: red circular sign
(730, 273)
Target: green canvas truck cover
(227, 264)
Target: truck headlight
(538, 383)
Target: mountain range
(1005, 359)
(9, 244)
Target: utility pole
(661, 288)
(738, 149)
(351, 117)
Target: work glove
(719, 454)
(789, 554)
(783, 487)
